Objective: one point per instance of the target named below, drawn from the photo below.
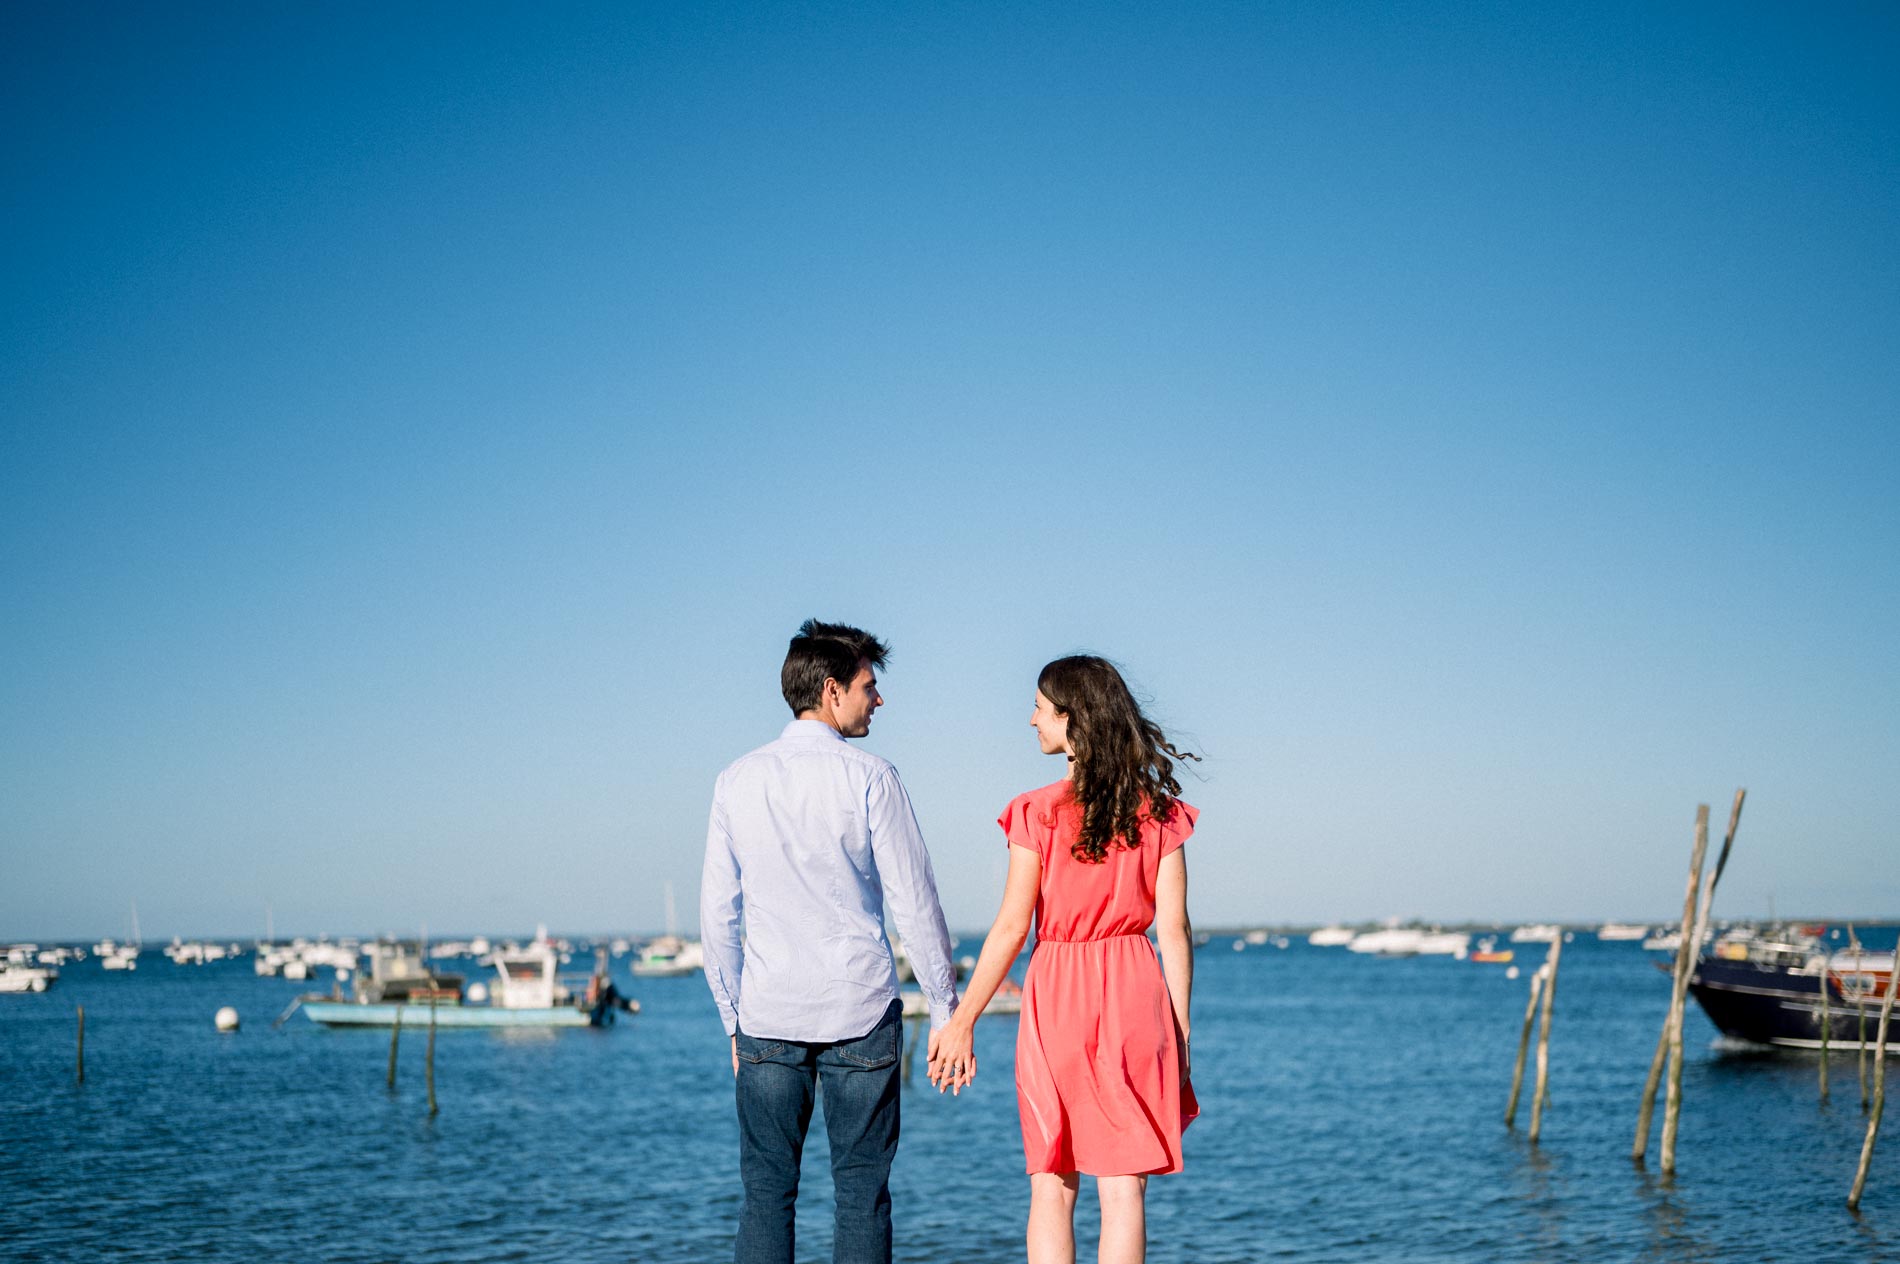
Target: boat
(1392, 941)
(527, 992)
(1536, 934)
(1330, 937)
(1445, 943)
(669, 956)
(26, 978)
(1621, 932)
(1763, 986)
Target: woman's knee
(1121, 1191)
(1054, 1187)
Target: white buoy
(1511, 973)
(227, 1019)
(342, 974)
(477, 992)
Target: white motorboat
(1445, 943)
(1621, 932)
(1330, 937)
(1536, 933)
(1392, 941)
(26, 978)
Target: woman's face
(1051, 725)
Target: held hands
(953, 1057)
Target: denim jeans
(778, 1081)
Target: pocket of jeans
(754, 1050)
(879, 1049)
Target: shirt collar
(811, 728)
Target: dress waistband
(1095, 939)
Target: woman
(1102, 1048)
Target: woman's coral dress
(1098, 1071)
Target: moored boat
(527, 992)
(26, 978)
(1765, 987)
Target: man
(809, 838)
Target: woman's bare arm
(952, 1045)
(1175, 935)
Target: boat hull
(1779, 1007)
(352, 1014)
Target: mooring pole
(914, 1029)
(1540, 1096)
(1524, 1045)
(1672, 1101)
(1880, 1087)
(1685, 957)
(1860, 1014)
(429, 1062)
(395, 1033)
(1826, 1021)
(80, 1064)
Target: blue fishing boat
(1765, 987)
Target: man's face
(857, 702)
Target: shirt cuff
(941, 1012)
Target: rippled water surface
(1352, 1113)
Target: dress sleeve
(1178, 827)
(1021, 827)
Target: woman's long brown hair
(1123, 769)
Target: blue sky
(1474, 428)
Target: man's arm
(720, 909)
(910, 892)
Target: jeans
(778, 1080)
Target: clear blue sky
(1475, 427)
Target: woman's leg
(1052, 1217)
(1124, 1218)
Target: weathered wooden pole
(1672, 1100)
(1685, 958)
(429, 1062)
(1860, 1014)
(1826, 1021)
(1524, 1045)
(395, 1033)
(914, 1029)
(80, 1064)
(1880, 1087)
(1540, 1096)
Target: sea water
(1352, 1111)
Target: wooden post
(1672, 1101)
(915, 1031)
(1540, 1095)
(80, 1064)
(395, 1032)
(1685, 960)
(1860, 1014)
(1880, 1087)
(1523, 1046)
(429, 1062)
(1826, 1020)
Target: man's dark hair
(821, 652)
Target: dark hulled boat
(1765, 987)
